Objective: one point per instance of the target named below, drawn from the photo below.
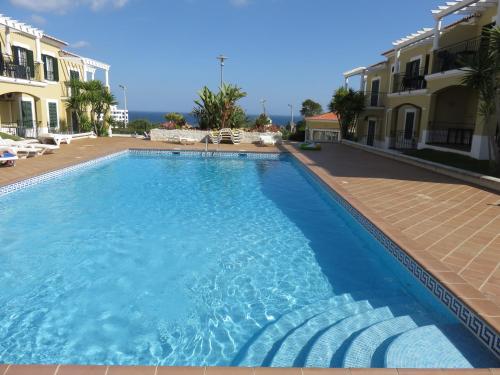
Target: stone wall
(200, 135)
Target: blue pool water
(190, 261)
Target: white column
(346, 84)
(8, 49)
(85, 73)
(106, 77)
(396, 61)
(437, 33)
(362, 82)
(38, 50)
(92, 74)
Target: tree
(262, 120)
(482, 74)
(347, 104)
(95, 96)
(218, 110)
(176, 118)
(311, 108)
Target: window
(50, 68)
(53, 120)
(74, 75)
(24, 64)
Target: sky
(284, 51)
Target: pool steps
(388, 332)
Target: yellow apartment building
(35, 70)
(415, 98)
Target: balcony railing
(409, 81)
(24, 129)
(450, 135)
(402, 140)
(11, 70)
(375, 99)
(456, 56)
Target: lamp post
(263, 102)
(222, 58)
(292, 123)
(124, 88)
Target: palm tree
(347, 104)
(76, 102)
(482, 74)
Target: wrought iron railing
(403, 140)
(453, 135)
(23, 129)
(456, 56)
(409, 81)
(375, 99)
(9, 69)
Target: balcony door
(413, 69)
(375, 93)
(370, 138)
(409, 124)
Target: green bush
(10, 136)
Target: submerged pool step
(327, 345)
(262, 344)
(363, 348)
(290, 349)
(430, 347)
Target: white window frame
(48, 112)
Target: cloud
(80, 44)
(62, 6)
(38, 19)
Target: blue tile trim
(202, 154)
(16, 186)
(486, 334)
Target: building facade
(324, 128)
(35, 71)
(415, 98)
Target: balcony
(11, 70)
(375, 99)
(450, 135)
(409, 81)
(456, 56)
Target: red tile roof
(324, 117)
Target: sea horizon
(159, 117)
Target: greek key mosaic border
(16, 186)
(203, 154)
(472, 321)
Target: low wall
(200, 135)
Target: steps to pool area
(341, 332)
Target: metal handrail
(456, 56)
(406, 81)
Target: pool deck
(450, 227)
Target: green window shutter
(44, 60)
(53, 115)
(31, 63)
(56, 69)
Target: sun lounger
(23, 149)
(56, 139)
(182, 140)
(47, 149)
(215, 137)
(8, 158)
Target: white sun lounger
(9, 160)
(25, 149)
(47, 149)
(56, 139)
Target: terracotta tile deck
(450, 227)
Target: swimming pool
(188, 261)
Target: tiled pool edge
(471, 319)
(156, 370)
(464, 312)
(35, 180)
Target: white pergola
(361, 71)
(457, 7)
(89, 65)
(12, 25)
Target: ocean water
(188, 261)
(159, 117)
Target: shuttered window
(24, 58)
(74, 75)
(50, 68)
(53, 120)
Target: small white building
(119, 115)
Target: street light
(222, 58)
(124, 88)
(263, 102)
